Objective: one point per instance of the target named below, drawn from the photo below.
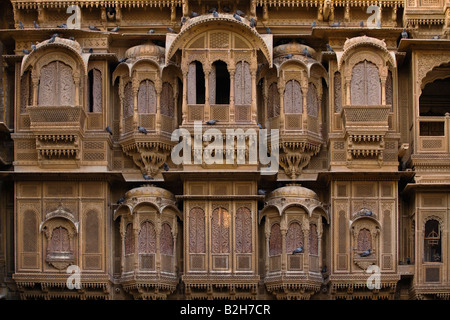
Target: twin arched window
(365, 84)
(56, 85)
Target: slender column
(184, 102)
(281, 86)
(135, 88)
(232, 76)
(207, 107)
(253, 105)
(158, 89)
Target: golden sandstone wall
(206, 150)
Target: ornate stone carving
(243, 230)
(293, 100)
(147, 238)
(220, 231)
(294, 237)
(197, 230)
(275, 240)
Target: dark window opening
(435, 99)
(428, 128)
(90, 89)
(200, 83)
(222, 83)
(432, 243)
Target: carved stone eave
(158, 198)
(353, 43)
(71, 45)
(175, 41)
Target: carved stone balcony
(59, 132)
(365, 127)
(60, 118)
(300, 140)
(364, 118)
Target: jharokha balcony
(59, 118)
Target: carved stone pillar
(158, 89)
(306, 259)
(158, 246)
(207, 108)
(283, 229)
(184, 102)
(267, 234)
(304, 88)
(232, 72)
(76, 78)
(347, 91)
(136, 243)
(253, 105)
(121, 99)
(280, 87)
(35, 81)
(135, 88)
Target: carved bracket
(149, 157)
(296, 156)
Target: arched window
(242, 84)
(196, 230)
(313, 240)
(196, 83)
(94, 91)
(364, 240)
(220, 231)
(243, 232)
(129, 239)
(166, 240)
(56, 85)
(59, 242)
(432, 241)
(128, 100)
(365, 84)
(147, 238)
(273, 101)
(312, 101)
(294, 237)
(146, 98)
(293, 101)
(275, 245)
(167, 102)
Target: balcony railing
(433, 135)
(366, 116)
(56, 116)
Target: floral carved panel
(220, 231)
(146, 97)
(243, 232)
(294, 237)
(275, 241)
(242, 82)
(196, 230)
(293, 97)
(167, 103)
(166, 240)
(273, 101)
(147, 238)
